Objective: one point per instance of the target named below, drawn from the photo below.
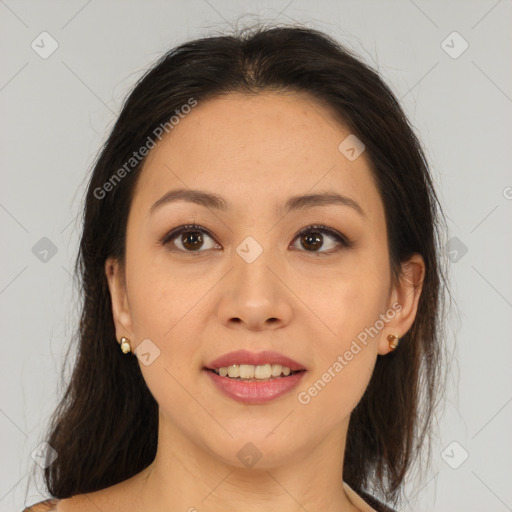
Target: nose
(255, 296)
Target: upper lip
(260, 358)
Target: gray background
(56, 112)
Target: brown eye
(312, 241)
(316, 237)
(193, 239)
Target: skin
(256, 152)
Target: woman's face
(248, 281)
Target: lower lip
(255, 392)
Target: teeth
(249, 371)
(234, 371)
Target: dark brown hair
(105, 428)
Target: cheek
(348, 329)
(346, 347)
(329, 397)
(165, 308)
(352, 298)
(161, 296)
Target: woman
(261, 289)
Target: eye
(196, 239)
(312, 238)
(192, 239)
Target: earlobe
(115, 273)
(404, 301)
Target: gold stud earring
(125, 345)
(393, 341)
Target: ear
(120, 309)
(404, 298)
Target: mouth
(254, 389)
(254, 377)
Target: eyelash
(314, 228)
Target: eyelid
(322, 228)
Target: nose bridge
(254, 296)
(252, 270)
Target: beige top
(50, 505)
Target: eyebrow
(217, 202)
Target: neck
(189, 477)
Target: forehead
(260, 148)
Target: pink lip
(252, 392)
(246, 357)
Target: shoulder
(77, 503)
(74, 504)
(48, 505)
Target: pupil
(312, 239)
(190, 240)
